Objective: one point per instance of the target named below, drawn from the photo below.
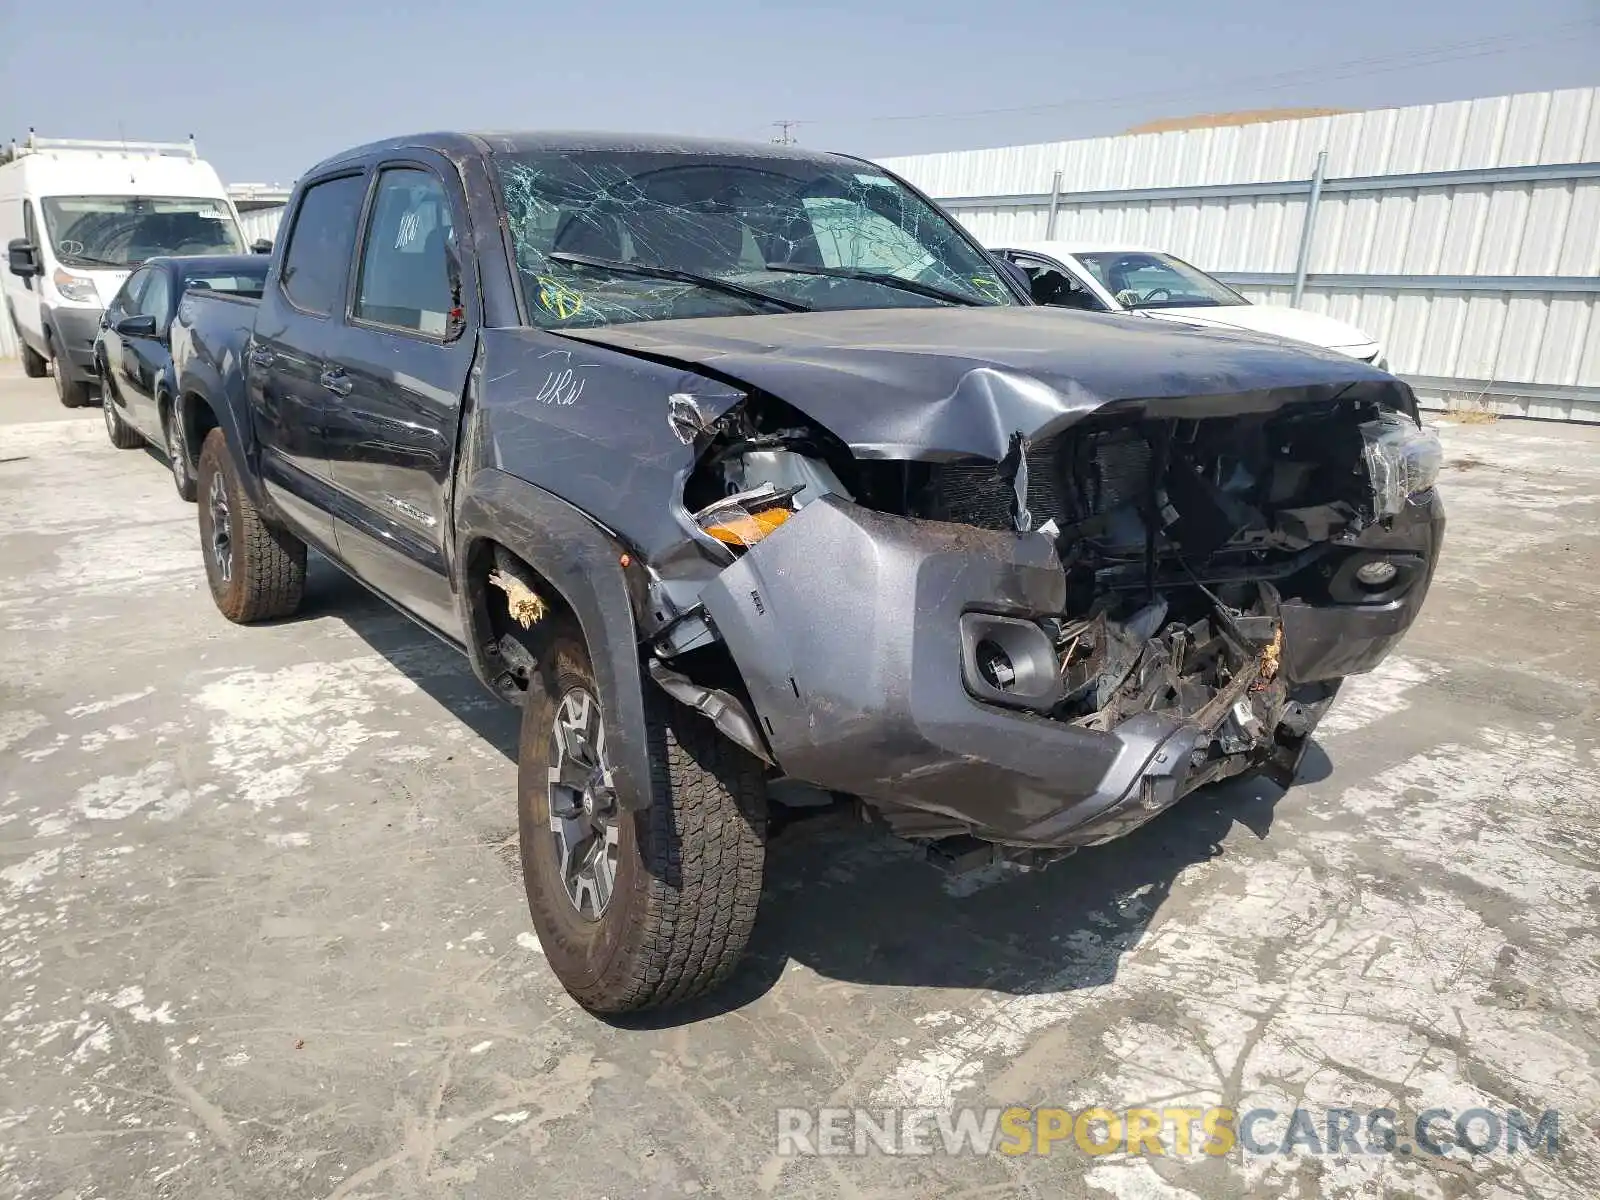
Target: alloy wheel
(221, 530)
(583, 804)
(176, 454)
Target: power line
(1355, 68)
(785, 135)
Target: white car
(1120, 278)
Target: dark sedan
(134, 357)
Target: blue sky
(270, 87)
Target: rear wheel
(34, 365)
(256, 571)
(73, 393)
(635, 909)
(177, 453)
(123, 436)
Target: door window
(156, 298)
(317, 259)
(126, 303)
(405, 267)
(1053, 286)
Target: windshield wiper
(883, 277)
(89, 260)
(651, 271)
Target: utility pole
(785, 135)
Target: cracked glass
(594, 231)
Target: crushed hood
(942, 383)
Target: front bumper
(77, 329)
(845, 626)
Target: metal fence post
(1055, 206)
(1309, 229)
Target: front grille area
(1115, 470)
(1101, 470)
(977, 494)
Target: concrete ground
(262, 932)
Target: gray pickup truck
(738, 465)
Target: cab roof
(460, 144)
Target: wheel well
(511, 652)
(198, 420)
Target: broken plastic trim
(724, 710)
(524, 604)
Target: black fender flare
(584, 564)
(194, 387)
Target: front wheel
(177, 453)
(635, 909)
(123, 436)
(34, 364)
(256, 571)
(73, 393)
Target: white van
(76, 217)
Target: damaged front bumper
(847, 629)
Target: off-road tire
(123, 436)
(267, 573)
(689, 867)
(176, 446)
(34, 364)
(73, 393)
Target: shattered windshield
(596, 231)
(1142, 280)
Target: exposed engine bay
(1179, 540)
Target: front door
(1055, 283)
(396, 381)
(142, 357)
(25, 298)
(124, 304)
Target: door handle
(260, 357)
(336, 381)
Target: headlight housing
(1402, 458)
(746, 518)
(74, 287)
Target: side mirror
(261, 246)
(141, 325)
(23, 258)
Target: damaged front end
(1047, 648)
(1031, 595)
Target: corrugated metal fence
(1466, 236)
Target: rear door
(396, 379)
(297, 327)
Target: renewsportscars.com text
(1168, 1131)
